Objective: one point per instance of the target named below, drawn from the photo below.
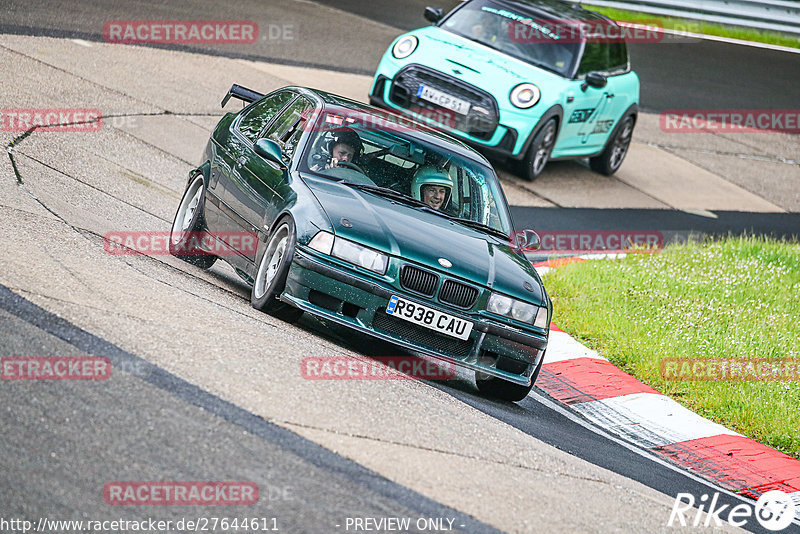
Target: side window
(595, 58)
(258, 116)
(289, 121)
(608, 58)
(618, 57)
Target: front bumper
(329, 291)
(508, 140)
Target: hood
(405, 231)
(446, 51)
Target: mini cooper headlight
(517, 310)
(348, 251)
(525, 95)
(405, 47)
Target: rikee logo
(774, 510)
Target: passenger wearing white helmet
(433, 187)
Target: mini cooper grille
(458, 294)
(420, 335)
(480, 122)
(419, 281)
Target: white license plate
(443, 99)
(428, 317)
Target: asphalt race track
(205, 388)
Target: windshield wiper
(479, 226)
(386, 192)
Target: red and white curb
(586, 382)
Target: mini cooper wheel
(188, 228)
(540, 149)
(611, 158)
(502, 389)
(273, 268)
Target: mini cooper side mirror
(270, 151)
(595, 79)
(433, 14)
(528, 240)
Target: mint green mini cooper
(526, 80)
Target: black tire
(539, 152)
(273, 268)
(189, 227)
(503, 389)
(610, 160)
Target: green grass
(694, 26)
(728, 298)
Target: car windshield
(389, 154)
(516, 34)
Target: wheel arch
(555, 111)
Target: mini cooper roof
(565, 12)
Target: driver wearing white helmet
(433, 187)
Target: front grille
(458, 294)
(418, 280)
(419, 335)
(479, 124)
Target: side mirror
(270, 151)
(528, 240)
(433, 14)
(594, 79)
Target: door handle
(609, 95)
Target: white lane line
(542, 399)
(649, 419)
(561, 347)
(82, 42)
(717, 38)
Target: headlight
(517, 310)
(525, 95)
(405, 47)
(348, 251)
(541, 319)
(500, 304)
(322, 242)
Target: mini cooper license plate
(428, 317)
(441, 98)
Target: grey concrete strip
(683, 185)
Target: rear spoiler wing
(242, 93)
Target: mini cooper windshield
(377, 154)
(515, 34)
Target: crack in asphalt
(435, 450)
